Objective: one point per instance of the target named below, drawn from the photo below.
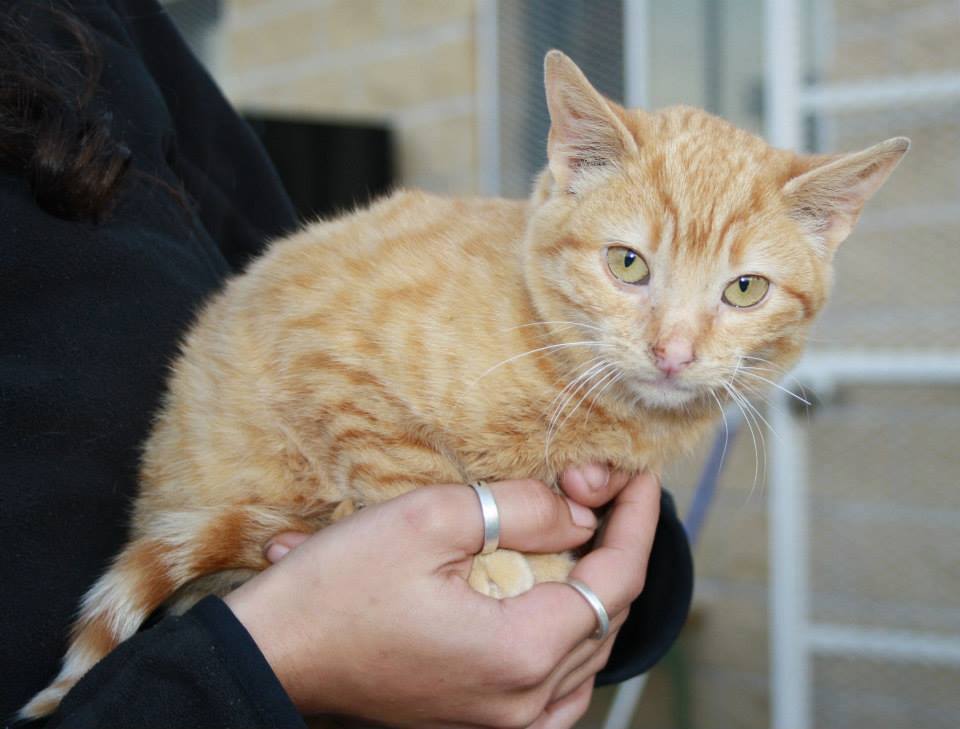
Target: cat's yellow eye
(627, 265)
(746, 291)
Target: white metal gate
(809, 105)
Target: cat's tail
(148, 572)
(113, 609)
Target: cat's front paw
(503, 573)
(506, 573)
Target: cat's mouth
(668, 392)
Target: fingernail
(276, 552)
(595, 476)
(581, 515)
(574, 478)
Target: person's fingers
(593, 484)
(564, 683)
(567, 711)
(278, 547)
(574, 668)
(616, 569)
(550, 628)
(555, 614)
(533, 518)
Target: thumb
(282, 543)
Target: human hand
(372, 617)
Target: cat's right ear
(587, 138)
(827, 198)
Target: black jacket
(90, 319)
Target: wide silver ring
(491, 517)
(603, 620)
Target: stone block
(279, 39)
(415, 78)
(442, 152)
(412, 15)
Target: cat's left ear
(587, 137)
(827, 199)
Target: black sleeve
(657, 616)
(234, 188)
(91, 320)
(199, 670)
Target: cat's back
(408, 225)
(406, 253)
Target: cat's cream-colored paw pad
(550, 567)
(503, 573)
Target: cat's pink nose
(673, 355)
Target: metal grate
(867, 487)
(896, 274)
(589, 31)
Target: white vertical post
(636, 53)
(487, 107)
(636, 89)
(625, 702)
(789, 570)
(782, 89)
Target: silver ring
(491, 517)
(603, 620)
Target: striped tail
(147, 573)
(114, 608)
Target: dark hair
(49, 132)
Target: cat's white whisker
(749, 404)
(596, 397)
(726, 429)
(776, 369)
(748, 373)
(756, 417)
(564, 397)
(583, 380)
(548, 348)
(607, 374)
(758, 414)
(601, 374)
(572, 387)
(737, 399)
(584, 369)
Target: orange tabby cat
(431, 340)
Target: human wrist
(259, 607)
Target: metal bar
(707, 484)
(789, 659)
(625, 703)
(789, 570)
(714, 68)
(782, 74)
(488, 97)
(903, 645)
(877, 366)
(636, 53)
(878, 94)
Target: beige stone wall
(410, 63)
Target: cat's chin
(666, 394)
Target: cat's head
(684, 248)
